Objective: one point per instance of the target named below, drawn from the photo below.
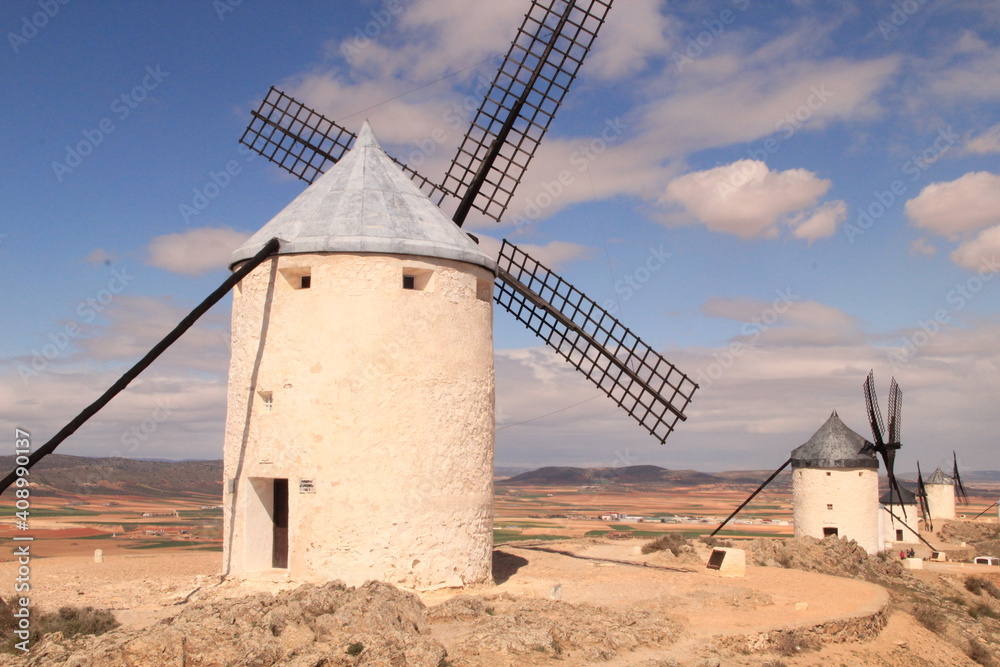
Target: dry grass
(672, 542)
(979, 585)
(931, 619)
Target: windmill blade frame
(887, 450)
(521, 102)
(959, 487)
(894, 413)
(607, 353)
(922, 497)
(305, 143)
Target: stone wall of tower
(376, 403)
(888, 525)
(941, 501)
(841, 498)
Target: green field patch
(49, 512)
(167, 544)
(215, 548)
(529, 524)
(596, 533)
(619, 526)
(200, 514)
(504, 536)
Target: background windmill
(527, 90)
(960, 493)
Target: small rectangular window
(306, 282)
(409, 282)
(268, 399)
(829, 506)
(419, 280)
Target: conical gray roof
(939, 478)
(834, 446)
(908, 497)
(365, 204)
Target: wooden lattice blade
(529, 87)
(644, 384)
(305, 143)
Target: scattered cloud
(99, 256)
(194, 252)
(957, 208)
(821, 222)
(747, 199)
(922, 247)
(554, 254)
(987, 142)
(981, 253)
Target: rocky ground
(580, 602)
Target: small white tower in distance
(360, 429)
(940, 495)
(899, 528)
(835, 486)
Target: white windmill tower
(940, 489)
(835, 486)
(359, 437)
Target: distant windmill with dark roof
(835, 486)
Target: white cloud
(195, 252)
(629, 39)
(957, 208)
(554, 254)
(821, 222)
(987, 142)
(981, 253)
(748, 199)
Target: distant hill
(59, 474)
(646, 474)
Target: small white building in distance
(360, 427)
(902, 526)
(835, 486)
(940, 495)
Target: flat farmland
(551, 512)
(77, 525)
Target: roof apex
(366, 204)
(834, 445)
(938, 477)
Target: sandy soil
(142, 589)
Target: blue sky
(778, 196)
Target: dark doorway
(279, 549)
(899, 536)
(827, 532)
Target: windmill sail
(959, 487)
(887, 450)
(925, 509)
(644, 384)
(305, 143)
(526, 92)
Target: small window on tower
(268, 399)
(419, 280)
(828, 474)
(829, 506)
(297, 277)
